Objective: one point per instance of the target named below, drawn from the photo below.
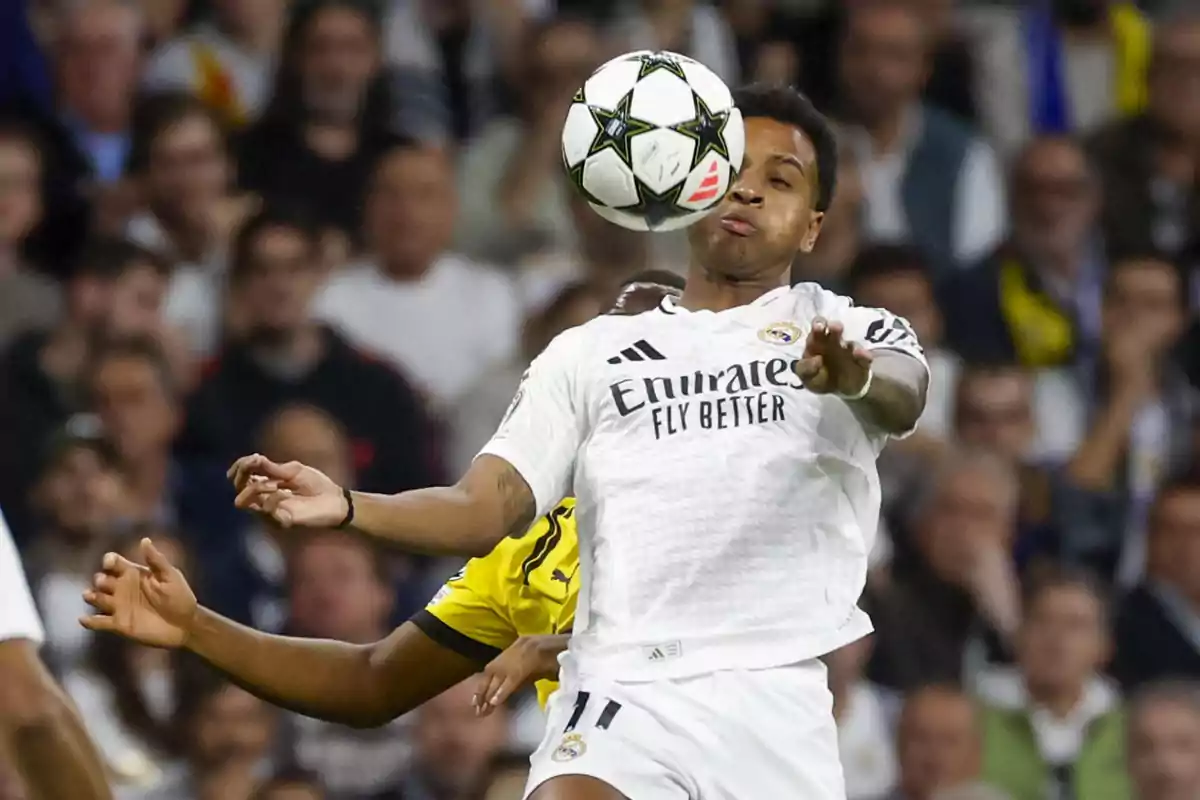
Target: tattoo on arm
(520, 507)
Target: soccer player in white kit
(39, 729)
(722, 449)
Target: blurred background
(337, 231)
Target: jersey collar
(670, 304)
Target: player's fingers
(99, 622)
(808, 368)
(104, 583)
(862, 355)
(100, 601)
(158, 563)
(252, 494)
(483, 690)
(241, 469)
(117, 565)
(502, 693)
(834, 330)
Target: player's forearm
(328, 680)
(896, 398)
(442, 520)
(49, 743)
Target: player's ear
(809, 238)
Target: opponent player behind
(507, 613)
(722, 451)
(40, 731)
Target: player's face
(767, 216)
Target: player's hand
(831, 365)
(528, 659)
(151, 604)
(291, 493)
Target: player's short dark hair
(886, 260)
(791, 107)
(137, 348)
(108, 258)
(156, 112)
(271, 217)
(662, 277)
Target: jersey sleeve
(465, 617)
(877, 329)
(18, 614)
(543, 427)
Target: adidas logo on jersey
(639, 351)
(662, 652)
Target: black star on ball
(708, 129)
(616, 128)
(652, 62)
(656, 208)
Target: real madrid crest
(780, 333)
(570, 748)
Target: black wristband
(349, 518)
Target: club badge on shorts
(570, 748)
(779, 333)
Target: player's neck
(709, 292)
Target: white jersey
(18, 615)
(725, 513)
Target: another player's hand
(528, 659)
(831, 365)
(151, 604)
(291, 493)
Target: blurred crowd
(337, 230)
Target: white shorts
(762, 734)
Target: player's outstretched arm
(358, 685)
(41, 729)
(886, 386)
(491, 501)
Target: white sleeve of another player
(18, 615)
(543, 428)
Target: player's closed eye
(782, 183)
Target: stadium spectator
(692, 28)
(1139, 407)
(1036, 300)
(339, 589)
(482, 407)
(927, 178)
(1156, 619)
(952, 602)
(228, 64)
(97, 59)
(117, 289)
(938, 744)
(1059, 67)
(138, 403)
(127, 694)
(330, 118)
(78, 500)
(453, 750)
(866, 721)
(28, 299)
(1053, 726)
(282, 356)
(514, 199)
(1164, 742)
(184, 172)
(228, 736)
(291, 785)
(1147, 162)
(436, 316)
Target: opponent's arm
(358, 685)
(42, 730)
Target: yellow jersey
(527, 586)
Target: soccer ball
(653, 140)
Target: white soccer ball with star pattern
(653, 140)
